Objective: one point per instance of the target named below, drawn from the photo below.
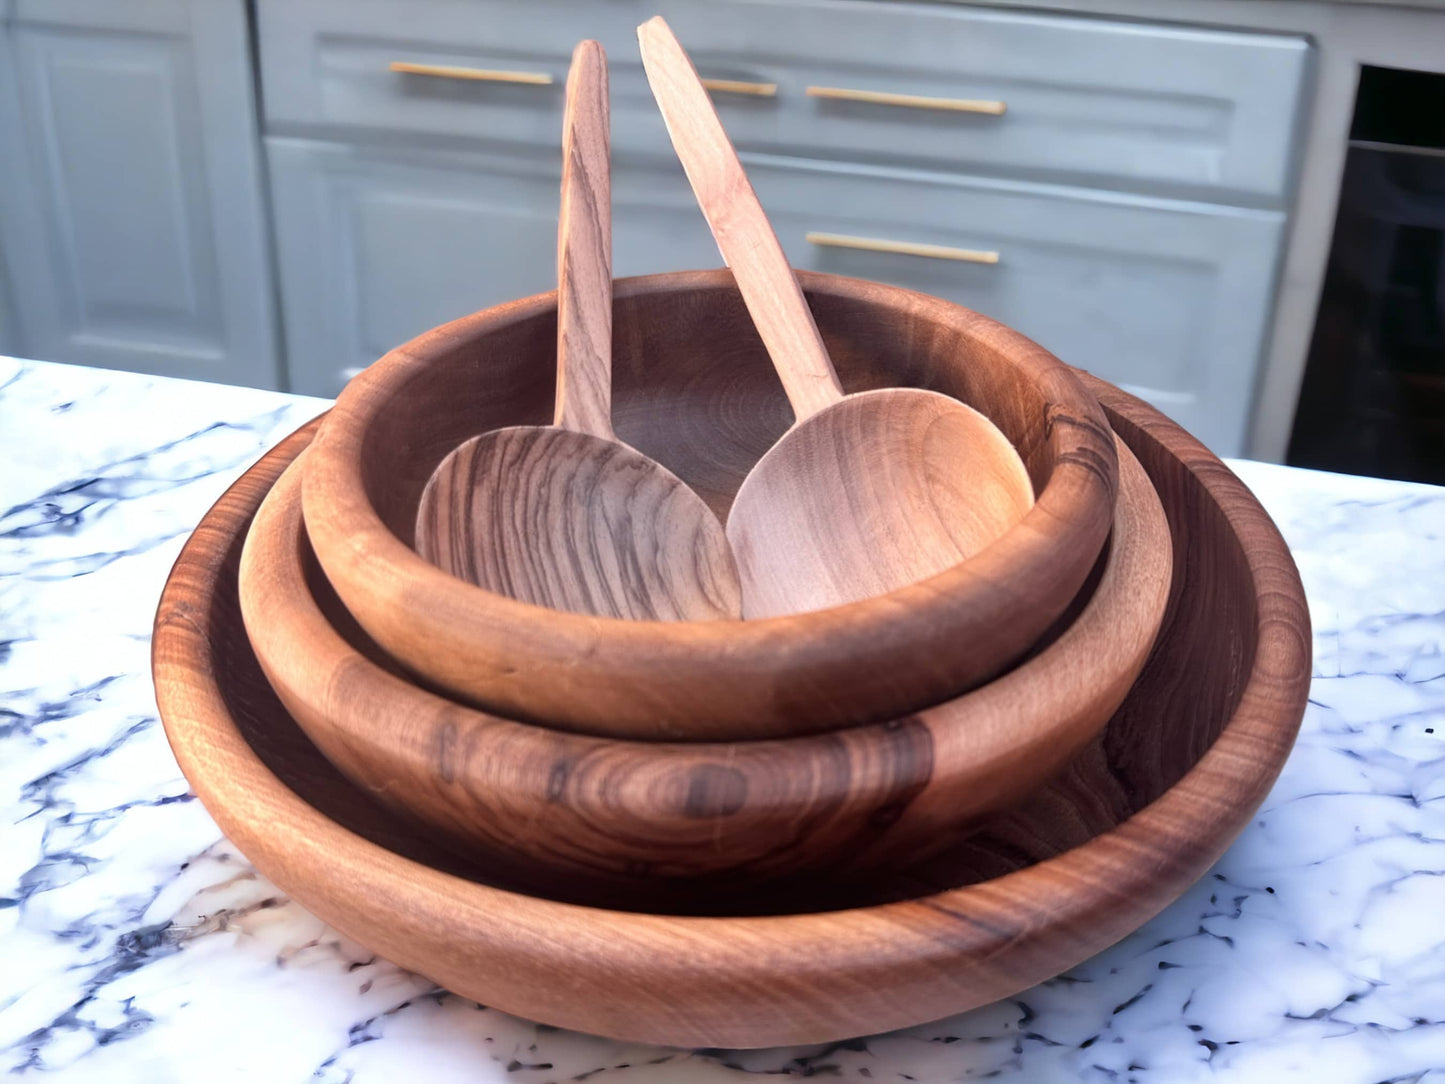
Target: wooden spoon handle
(743, 235)
(584, 251)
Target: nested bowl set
(795, 805)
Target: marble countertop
(139, 945)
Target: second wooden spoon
(566, 515)
(867, 492)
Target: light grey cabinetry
(7, 321)
(131, 209)
(1169, 300)
(376, 244)
(1134, 185)
(1156, 108)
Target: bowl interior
(692, 385)
(1180, 704)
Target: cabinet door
(131, 212)
(1170, 300)
(376, 245)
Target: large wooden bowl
(1141, 814)
(615, 815)
(686, 357)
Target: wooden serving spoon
(866, 492)
(566, 515)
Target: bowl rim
(987, 747)
(732, 677)
(803, 978)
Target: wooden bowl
(693, 389)
(618, 817)
(1141, 814)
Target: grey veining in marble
(137, 945)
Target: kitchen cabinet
(131, 209)
(1097, 101)
(7, 321)
(1169, 300)
(377, 244)
(1132, 192)
(250, 191)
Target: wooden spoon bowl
(565, 515)
(635, 821)
(1141, 814)
(868, 492)
(694, 389)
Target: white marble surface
(137, 945)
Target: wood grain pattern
(584, 250)
(883, 489)
(691, 364)
(863, 495)
(629, 821)
(747, 242)
(572, 522)
(567, 517)
(1134, 821)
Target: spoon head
(574, 522)
(880, 490)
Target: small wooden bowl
(688, 364)
(1141, 814)
(619, 817)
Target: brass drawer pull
(906, 248)
(484, 75)
(913, 101)
(735, 86)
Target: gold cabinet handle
(485, 75)
(736, 86)
(906, 248)
(912, 101)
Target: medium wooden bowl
(693, 389)
(618, 817)
(1141, 814)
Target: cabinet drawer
(1170, 300)
(1096, 101)
(376, 245)
(1108, 103)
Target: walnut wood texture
(688, 362)
(566, 516)
(746, 240)
(1137, 817)
(863, 495)
(626, 821)
(883, 489)
(571, 522)
(584, 250)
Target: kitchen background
(1232, 207)
(276, 193)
